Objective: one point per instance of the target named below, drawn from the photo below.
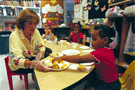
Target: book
(10, 25)
(1, 10)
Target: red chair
(10, 74)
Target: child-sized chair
(10, 74)
(128, 78)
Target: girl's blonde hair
(24, 16)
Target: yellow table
(58, 80)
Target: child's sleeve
(80, 35)
(97, 55)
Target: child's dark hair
(105, 31)
(79, 25)
(47, 26)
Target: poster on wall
(86, 15)
(52, 12)
(97, 8)
(77, 7)
(77, 14)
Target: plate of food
(84, 47)
(70, 52)
(56, 54)
(57, 66)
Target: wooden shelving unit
(122, 3)
(125, 27)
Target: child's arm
(70, 36)
(76, 59)
(78, 39)
(44, 36)
(52, 36)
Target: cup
(74, 45)
(61, 42)
(88, 39)
(64, 42)
(45, 40)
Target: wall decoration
(53, 11)
(77, 7)
(97, 8)
(44, 20)
(52, 8)
(90, 2)
(77, 2)
(84, 3)
(86, 15)
(56, 14)
(53, 1)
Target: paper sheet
(46, 9)
(52, 8)
(77, 7)
(77, 14)
(86, 15)
(44, 20)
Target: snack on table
(81, 67)
(64, 43)
(62, 61)
(57, 54)
(64, 66)
(50, 60)
(56, 66)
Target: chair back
(7, 67)
(128, 78)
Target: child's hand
(46, 32)
(76, 32)
(72, 32)
(59, 59)
(50, 31)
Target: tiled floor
(17, 83)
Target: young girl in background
(76, 35)
(103, 58)
(48, 33)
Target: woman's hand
(40, 55)
(39, 66)
(59, 59)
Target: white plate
(60, 64)
(91, 63)
(84, 47)
(55, 55)
(71, 52)
(49, 41)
